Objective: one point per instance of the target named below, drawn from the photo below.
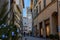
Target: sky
(26, 4)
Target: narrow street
(29, 19)
(32, 38)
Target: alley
(29, 19)
(32, 38)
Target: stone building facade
(45, 17)
(29, 16)
(25, 24)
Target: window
(35, 2)
(44, 3)
(40, 7)
(36, 10)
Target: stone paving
(32, 38)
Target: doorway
(41, 29)
(47, 27)
(55, 22)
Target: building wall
(2, 3)
(25, 25)
(45, 13)
(18, 8)
(29, 16)
(7, 8)
(59, 16)
(17, 15)
(20, 4)
(41, 3)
